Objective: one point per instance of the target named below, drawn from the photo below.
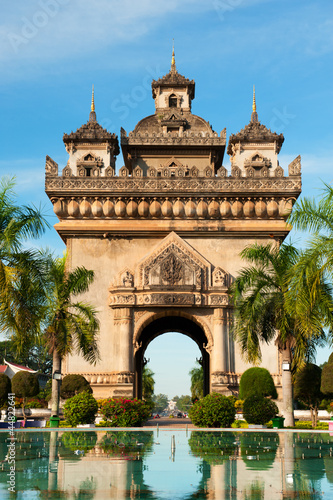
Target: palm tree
(317, 217)
(262, 301)
(197, 381)
(69, 325)
(19, 268)
(148, 383)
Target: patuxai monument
(164, 234)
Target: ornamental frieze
(157, 299)
(194, 185)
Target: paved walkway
(179, 423)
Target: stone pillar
(220, 351)
(122, 378)
(123, 323)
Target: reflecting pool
(166, 464)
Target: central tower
(164, 235)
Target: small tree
(197, 382)
(5, 388)
(184, 403)
(259, 410)
(307, 389)
(160, 402)
(74, 384)
(81, 409)
(327, 378)
(257, 381)
(148, 383)
(25, 385)
(214, 410)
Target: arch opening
(163, 325)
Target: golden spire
(173, 61)
(254, 107)
(92, 100)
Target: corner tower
(164, 236)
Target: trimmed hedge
(5, 389)
(80, 409)
(259, 410)
(257, 381)
(214, 410)
(25, 385)
(72, 385)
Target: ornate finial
(254, 115)
(92, 99)
(173, 61)
(92, 116)
(254, 108)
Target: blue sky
(52, 51)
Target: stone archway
(170, 323)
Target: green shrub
(257, 381)
(5, 389)
(327, 378)
(80, 409)
(72, 385)
(214, 410)
(259, 410)
(25, 385)
(124, 412)
(306, 424)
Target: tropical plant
(148, 383)
(69, 326)
(25, 385)
(307, 389)
(20, 276)
(316, 217)
(257, 380)
(197, 381)
(261, 296)
(214, 410)
(73, 384)
(80, 409)
(5, 389)
(259, 410)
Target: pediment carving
(220, 277)
(257, 161)
(124, 279)
(174, 264)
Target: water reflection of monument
(109, 466)
(228, 465)
(261, 466)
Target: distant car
(179, 415)
(156, 416)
